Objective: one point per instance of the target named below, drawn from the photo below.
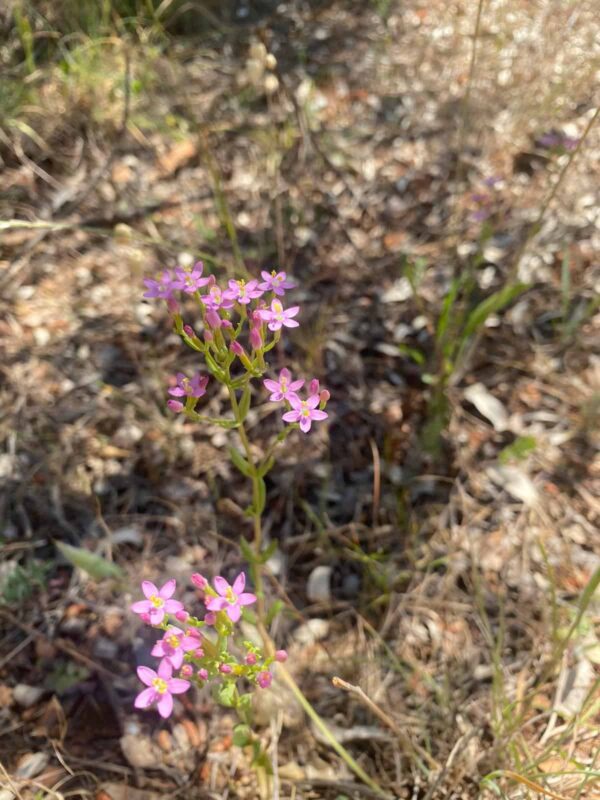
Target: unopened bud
(324, 398)
(186, 671)
(181, 615)
(175, 406)
(189, 331)
(213, 319)
(264, 679)
(313, 386)
(236, 348)
(202, 674)
(210, 618)
(199, 581)
(208, 337)
(255, 338)
(250, 659)
(146, 618)
(225, 669)
(281, 656)
(172, 305)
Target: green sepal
(274, 610)
(265, 467)
(245, 402)
(248, 552)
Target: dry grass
(458, 581)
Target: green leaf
(95, 566)
(240, 462)
(266, 467)
(517, 450)
(261, 500)
(242, 735)
(268, 552)
(244, 703)
(245, 402)
(247, 551)
(491, 305)
(416, 355)
(276, 607)
(447, 307)
(226, 694)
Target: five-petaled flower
(243, 292)
(174, 644)
(276, 282)
(216, 299)
(283, 389)
(304, 412)
(186, 387)
(161, 288)
(158, 601)
(190, 281)
(277, 315)
(161, 688)
(232, 598)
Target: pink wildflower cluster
(242, 321)
(188, 646)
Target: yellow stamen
(159, 685)
(230, 596)
(156, 601)
(173, 641)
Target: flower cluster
(241, 323)
(196, 649)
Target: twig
(414, 749)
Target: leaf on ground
(487, 405)
(95, 566)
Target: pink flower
(284, 388)
(243, 292)
(162, 288)
(281, 656)
(190, 282)
(161, 688)
(216, 299)
(277, 316)
(210, 618)
(181, 616)
(186, 671)
(264, 679)
(250, 659)
(304, 412)
(158, 601)
(173, 645)
(276, 282)
(196, 387)
(203, 674)
(225, 669)
(175, 406)
(232, 597)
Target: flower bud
(313, 386)
(264, 679)
(173, 305)
(250, 659)
(145, 618)
(175, 406)
(225, 669)
(236, 348)
(186, 671)
(256, 338)
(210, 618)
(208, 337)
(199, 653)
(281, 656)
(181, 615)
(199, 581)
(189, 331)
(213, 319)
(324, 398)
(225, 323)
(202, 674)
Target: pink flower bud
(193, 632)
(264, 679)
(255, 338)
(199, 581)
(208, 337)
(145, 618)
(175, 406)
(181, 615)
(210, 618)
(250, 659)
(236, 348)
(324, 398)
(281, 656)
(189, 331)
(313, 386)
(202, 674)
(225, 669)
(186, 671)
(172, 305)
(225, 323)
(199, 653)
(213, 319)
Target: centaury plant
(241, 324)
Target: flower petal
(318, 414)
(305, 424)
(246, 599)
(156, 615)
(165, 670)
(239, 583)
(145, 698)
(176, 659)
(234, 613)
(146, 675)
(290, 416)
(292, 311)
(165, 705)
(272, 386)
(221, 585)
(141, 607)
(158, 650)
(173, 606)
(290, 323)
(178, 685)
(148, 588)
(215, 603)
(313, 401)
(168, 589)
